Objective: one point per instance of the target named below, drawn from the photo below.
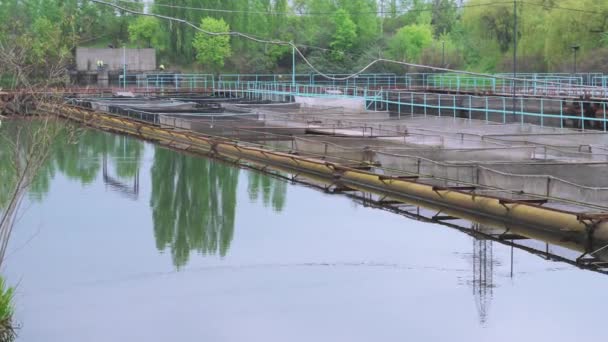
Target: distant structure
(482, 281)
(103, 66)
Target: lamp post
(574, 48)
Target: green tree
(146, 31)
(565, 29)
(442, 52)
(314, 29)
(345, 35)
(211, 51)
(487, 33)
(444, 16)
(364, 14)
(408, 42)
(492, 24)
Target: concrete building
(114, 60)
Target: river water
(121, 240)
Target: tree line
(335, 35)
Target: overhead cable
(310, 65)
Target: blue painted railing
(524, 109)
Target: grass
(7, 330)
(6, 81)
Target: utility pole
(575, 50)
(382, 17)
(124, 67)
(293, 66)
(514, 53)
(443, 53)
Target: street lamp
(575, 49)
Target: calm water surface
(124, 241)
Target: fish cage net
(521, 159)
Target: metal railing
(573, 85)
(361, 80)
(555, 112)
(167, 81)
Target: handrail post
(399, 104)
(439, 104)
(542, 112)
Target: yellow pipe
(453, 200)
(570, 240)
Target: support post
(514, 52)
(293, 65)
(399, 104)
(124, 66)
(542, 112)
(443, 53)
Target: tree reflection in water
(193, 199)
(80, 158)
(193, 204)
(271, 190)
(82, 161)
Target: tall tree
(211, 51)
(408, 42)
(147, 32)
(444, 16)
(344, 36)
(364, 13)
(565, 29)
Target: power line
(555, 7)
(219, 10)
(296, 50)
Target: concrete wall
(354, 104)
(137, 59)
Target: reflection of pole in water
(483, 271)
(129, 190)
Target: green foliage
(146, 32)
(408, 42)
(363, 14)
(604, 38)
(444, 16)
(211, 51)
(40, 35)
(6, 301)
(566, 29)
(442, 52)
(491, 24)
(344, 36)
(45, 42)
(7, 295)
(481, 33)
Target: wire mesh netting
(524, 159)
